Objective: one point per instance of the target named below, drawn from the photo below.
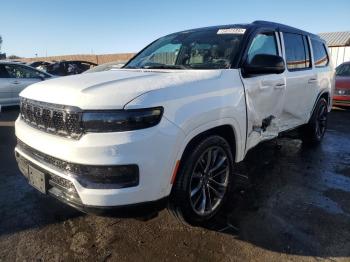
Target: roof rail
(278, 25)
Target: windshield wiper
(208, 66)
(164, 67)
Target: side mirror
(264, 64)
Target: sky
(62, 27)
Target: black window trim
(308, 43)
(285, 53)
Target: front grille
(51, 118)
(56, 163)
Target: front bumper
(341, 100)
(64, 190)
(153, 150)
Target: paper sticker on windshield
(236, 31)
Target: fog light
(112, 177)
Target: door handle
(312, 80)
(280, 85)
(277, 84)
(15, 82)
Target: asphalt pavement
(293, 204)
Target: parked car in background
(173, 121)
(64, 68)
(341, 96)
(106, 67)
(40, 65)
(18, 62)
(14, 77)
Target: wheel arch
(227, 131)
(323, 94)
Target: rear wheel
(313, 132)
(203, 181)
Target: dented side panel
(265, 99)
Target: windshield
(207, 49)
(343, 70)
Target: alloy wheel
(209, 180)
(321, 121)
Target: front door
(22, 76)
(265, 94)
(6, 87)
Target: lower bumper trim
(126, 211)
(342, 102)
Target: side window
(3, 72)
(320, 53)
(297, 51)
(17, 71)
(263, 43)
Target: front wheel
(313, 132)
(203, 181)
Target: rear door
(264, 93)
(6, 87)
(301, 80)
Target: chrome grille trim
(52, 118)
(58, 164)
(57, 186)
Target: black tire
(184, 203)
(313, 132)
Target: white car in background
(173, 121)
(106, 67)
(14, 77)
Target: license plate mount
(37, 179)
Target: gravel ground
(294, 206)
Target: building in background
(339, 46)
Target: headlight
(341, 92)
(121, 120)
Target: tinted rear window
(320, 54)
(297, 51)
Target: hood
(342, 82)
(110, 89)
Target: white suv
(175, 119)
